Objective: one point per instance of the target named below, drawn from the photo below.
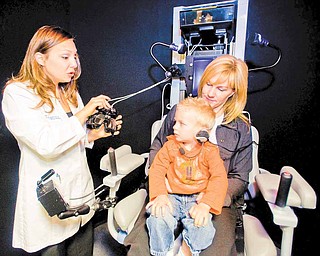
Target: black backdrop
(113, 39)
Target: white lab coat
(46, 141)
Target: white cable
(195, 46)
(151, 53)
(119, 99)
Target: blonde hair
(31, 71)
(235, 72)
(200, 109)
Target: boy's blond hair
(200, 110)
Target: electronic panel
(208, 31)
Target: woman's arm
(239, 165)
(48, 134)
(165, 130)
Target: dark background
(113, 39)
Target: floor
(104, 244)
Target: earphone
(202, 136)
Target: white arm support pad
(256, 239)
(127, 210)
(301, 186)
(301, 194)
(126, 161)
(268, 184)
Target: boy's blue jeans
(161, 230)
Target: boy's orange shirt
(196, 171)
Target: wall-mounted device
(208, 31)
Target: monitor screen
(199, 65)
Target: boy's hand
(200, 214)
(160, 205)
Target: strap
(239, 205)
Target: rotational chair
(257, 242)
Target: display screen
(199, 65)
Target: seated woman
(224, 86)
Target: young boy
(187, 182)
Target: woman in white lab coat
(44, 112)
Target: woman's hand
(95, 103)
(94, 134)
(160, 205)
(200, 214)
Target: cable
(174, 69)
(119, 99)
(274, 64)
(77, 198)
(239, 149)
(193, 48)
(155, 59)
(262, 42)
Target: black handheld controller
(283, 190)
(106, 117)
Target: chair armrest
(126, 161)
(253, 189)
(301, 194)
(301, 186)
(256, 239)
(268, 184)
(127, 210)
(283, 216)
